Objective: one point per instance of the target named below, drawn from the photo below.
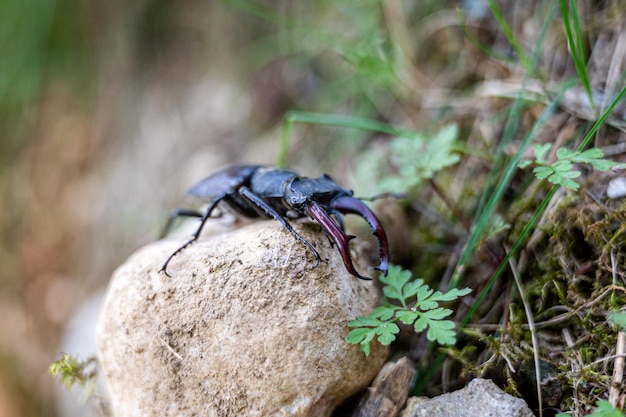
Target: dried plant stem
(533, 331)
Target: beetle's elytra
(258, 191)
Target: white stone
(244, 326)
(481, 397)
(616, 188)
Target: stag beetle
(268, 192)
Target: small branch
(618, 368)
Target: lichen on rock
(243, 326)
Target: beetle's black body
(268, 192)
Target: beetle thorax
(302, 191)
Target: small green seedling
(73, 371)
(618, 318)
(562, 172)
(419, 307)
(420, 157)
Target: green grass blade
(487, 212)
(477, 43)
(351, 122)
(474, 237)
(521, 240)
(576, 45)
(529, 227)
(508, 32)
(511, 124)
(605, 115)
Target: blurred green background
(110, 110)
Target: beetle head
(295, 198)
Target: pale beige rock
(243, 327)
(481, 397)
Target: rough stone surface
(389, 391)
(481, 397)
(244, 326)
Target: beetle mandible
(267, 192)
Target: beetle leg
(176, 214)
(271, 212)
(339, 219)
(203, 219)
(353, 205)
(341, 239)
(331, 242)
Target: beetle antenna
(398, 196)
